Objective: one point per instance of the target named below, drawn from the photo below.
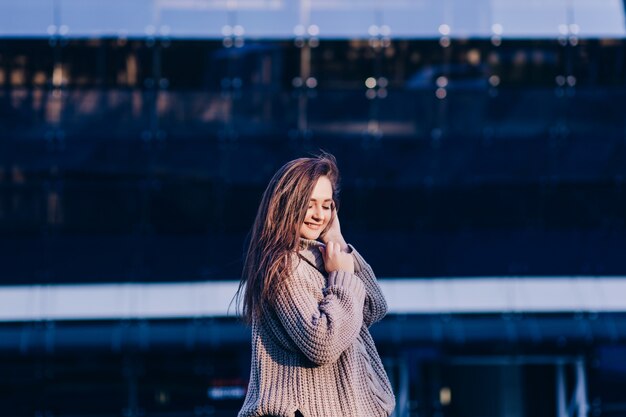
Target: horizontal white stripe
(514, 294)
(404, 296)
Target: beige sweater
(313, 352)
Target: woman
(310, 298)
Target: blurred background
(483, 151)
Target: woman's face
(319, 211)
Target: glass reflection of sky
(276, 19)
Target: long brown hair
(275, 234)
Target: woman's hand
(335, 259)
(333, 232)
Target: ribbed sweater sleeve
(322, 330)
(375, 306)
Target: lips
(313, 226)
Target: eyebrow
(328, 199)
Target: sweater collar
(309, 249)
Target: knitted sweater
(312, 351)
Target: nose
(318, 213)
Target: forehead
(323, 189)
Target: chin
(311, 236)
